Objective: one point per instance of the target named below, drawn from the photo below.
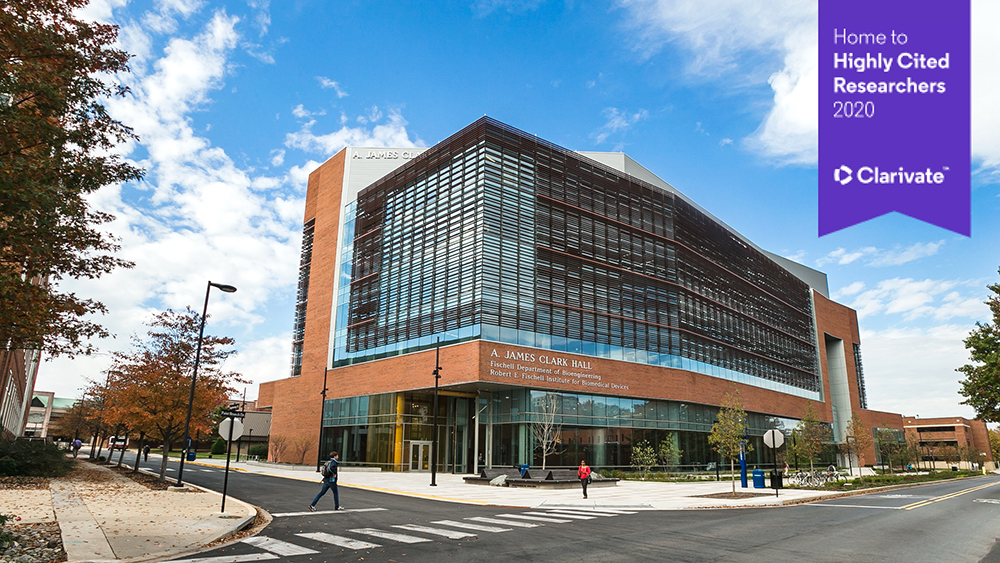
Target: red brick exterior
(966, 432)
(296, 401)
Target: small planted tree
(544, 428)
(811, 434)
(643, 458)
(668, 453)
(728, 432)
(857, 440)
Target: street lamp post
(319, 447)
(434, 438)
(194, 376)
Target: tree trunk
(732, 474)
(163, 462)
(138, 453)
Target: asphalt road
(953, 521)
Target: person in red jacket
(584, 473)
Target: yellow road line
(378, 489)
(925, 502)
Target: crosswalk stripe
(504, 522)
(583, 512)
(467, 526)
(230, 558)
(278, 547)
(563, 515)
(339, 541)
(534, 518)
(318, 512)
(388, 535)
(450, 534)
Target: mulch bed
(738, 495)
(10, 483)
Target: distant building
(18, 370)
(557, 283)
(936, 434)
(44, 414)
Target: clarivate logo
(875, 175)
(843, 175)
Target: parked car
(118, 442)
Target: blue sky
(236, 102)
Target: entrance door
(420, 456)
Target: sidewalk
(452, 488)
(104, 516)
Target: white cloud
(842, 257)
(277, 157)
(750, 42)
(852, 289)
(874, 257)
(618, 121)
(912, 370)
(325, 82)
(197, 216)
(899, 256)
(301, 113)
(390, 134)
(725, 141)
(934, 299)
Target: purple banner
(894, 112)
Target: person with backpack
(77, 444)
(329, 473)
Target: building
(18, 370)
(950, 439)
(575, 286)
(44, 414)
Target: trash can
(758, 478)
(524, 467)
(776, 479)
(191, 454)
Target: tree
(57, 146)
(727, 436)
(810, 436)
(544, 429)
(152, 381)
(857, 440)
(889, 446)
(278, 443)
(668, 453)
(981, 386)
(219, 446)
(643, 458)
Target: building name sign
(548, 368)
(385, 155)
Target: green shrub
(219, 447)
(259, 450)
(33, 458)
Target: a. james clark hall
(573, 287)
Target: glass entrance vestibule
(394, 431)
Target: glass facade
(370, 430)
(499, 235)
(302, 297)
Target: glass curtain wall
(601, 429)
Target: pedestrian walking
(584, 473)
(329, 472)
(145, 453)
(77, 444)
